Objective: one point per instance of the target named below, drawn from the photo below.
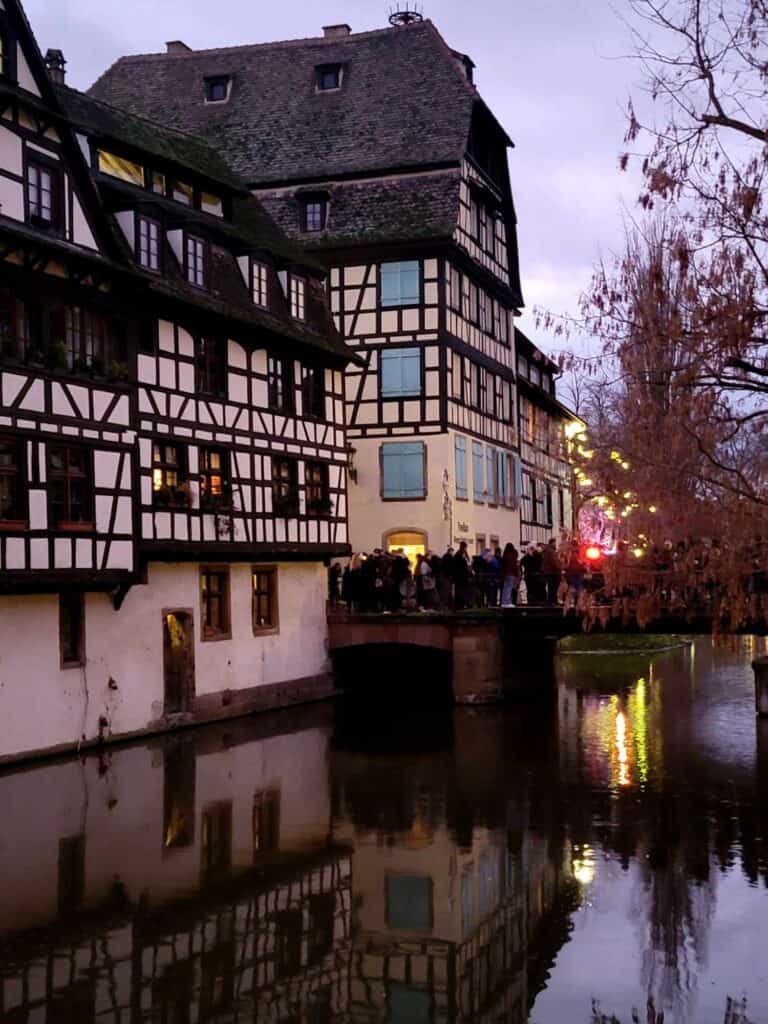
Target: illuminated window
(119, 167)
(213, 475)
(158, 183)
(168, 475)
(297, 296)
(264, 610)
(182, 192)
(213, 204)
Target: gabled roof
(405, 102)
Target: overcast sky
(552, 71)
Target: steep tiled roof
(404, 102)
(177, 147)
(376, 211)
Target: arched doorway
(410, 542)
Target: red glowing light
(593, 553)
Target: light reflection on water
(595, 859)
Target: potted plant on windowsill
(285, 505)
(55, 357)
(118, 372)
(320, 507)
(220, 504)
(176, 496)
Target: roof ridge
(275, 43)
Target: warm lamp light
(593, 553)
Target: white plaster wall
(370, 518)
(42, 705)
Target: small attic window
(314, 212)
(328, 77)
(217, 88)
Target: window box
(220, 504)
(320, 506)
(172, 497)
(285, 505)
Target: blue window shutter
(400, 283)
(501, 476)
(490, 460)
(400, 372)
(402, 467)
(518, 482)
(478, 472)
(460, 451)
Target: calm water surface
(600, 859)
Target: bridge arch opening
(379, 673)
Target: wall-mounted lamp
(351, 468)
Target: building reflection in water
(270, 870)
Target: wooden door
(178, 660)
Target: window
(313, 391)
(87, 340)
(328, 77)
(281, 393)
(539, 501)
(181, 192)
(211, 366)
(148, 243)
(400, 372)
(500, 322)
(478, 472)
(216, 845)
(194, 252)
(522, 366)
(157, 183)
(118, 167)
(484, 305)
(214, 485)
(214, 602)
(482, 226)
(454, 290)
(13, 507)
(403, 475)
(408, 902)
(473, 218)
(217, 88)
(316, 489)
(460, 458)
(297, 297)
(259, 291)
(535, 375)
(266, 822)
(499, 240)
(502, 477)
(211, 203)
(264, 600)
(169, 478)
(400, 283)
(43, 195)
(314, 213)
(490, 474)
(470, 311)
(15, 341)
(285, 487)
(72, 628)
(70, 485)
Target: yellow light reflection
(621, 749)
(584, 864)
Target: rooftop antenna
(405, 14)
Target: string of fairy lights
(611, 503)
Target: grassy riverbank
(620, 643)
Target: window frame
(281, 385)
(273, 597)
(425, 479)
(39, 164)
(208, 632)
(151, 222)
(317, 491)
(88, 339)
(201, 260)
(478, 479)
(403, 302)
(317, 222)
(285, 505)
(212, 81)
(88, 522)
(211, 365)
(297, 296)
(206, 473)
(19, 476)
(328, 69)
(164, 466)
(78, 599)
(313, 392)
(260, 274)
(461, 485)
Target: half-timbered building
(546, 476)
(377, 153)
(172, 449)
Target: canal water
(598, 858)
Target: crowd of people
(388, 581)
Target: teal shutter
(478, 472)
(400, 372)
(518, 481)
(402, 470)
(490, 461)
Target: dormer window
(148, 243)
(314, 212)
(297, 292)
(329, 77)
(259, 284)
(43, 206)
(194, 261)
(217, 88)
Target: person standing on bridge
(552, 569)
(510, 576)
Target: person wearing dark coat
(550, 566)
